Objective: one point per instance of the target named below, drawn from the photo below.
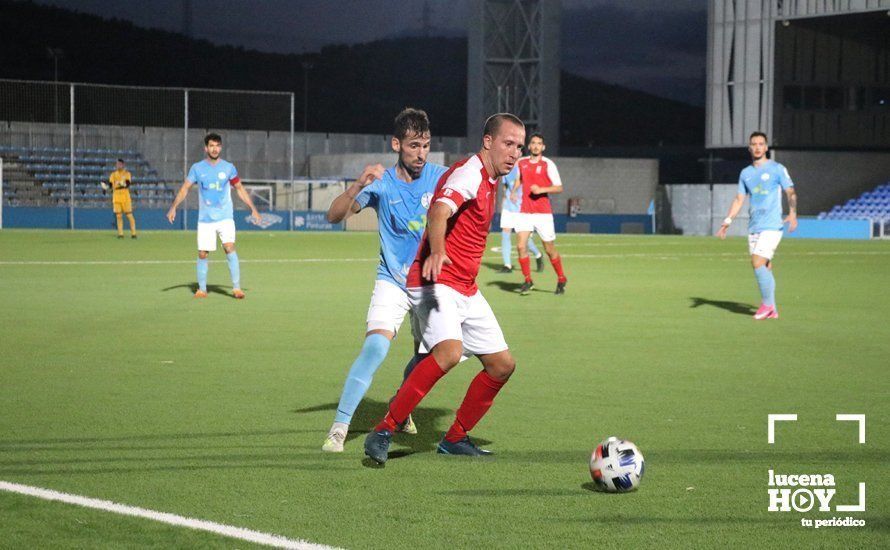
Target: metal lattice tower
(513, 64)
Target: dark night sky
(657, 46)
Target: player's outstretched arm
(791, 219)
(344, 205)
(437, 222)
(245, 197)
(733, 211)
(180, 196)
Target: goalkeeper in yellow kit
(120, 181)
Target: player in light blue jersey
(400, 196)
(510, 206)
(764, 182)
(215, 178)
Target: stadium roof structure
(755, 49)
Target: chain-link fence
(60, 141)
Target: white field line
(192, 261)
(163, 517)
(654, 255)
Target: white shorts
(442, 313)
(542, 224)
(764, 244)
(207, 232)
(389, 305)
(508, 219)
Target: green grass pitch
(116, 384)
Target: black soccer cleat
(539, 264)
(464, 447)
(526, 288)
(132, 236)
(560, 288)
(377, 445)
(506, 269)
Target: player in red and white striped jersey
(453, 319)
(538, 178)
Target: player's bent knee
(502, 370)
(447, 356)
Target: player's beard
(411, 170)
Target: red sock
(557, 265)
(478, 400)
(418, 384)
(525, 263)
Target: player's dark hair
(411, 122)
(121, 161)
(212, 136)
(493, 123)
(538, 135)
(758, 134)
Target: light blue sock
(234, 269)
(360, 375)
(506, 247)
(532, 248)
(203, 265)
(767, 284)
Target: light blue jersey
(215, 183)
(401, 218)
(507, 205)
(764, 185)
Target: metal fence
(66, 137)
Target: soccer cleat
(377, 445)
(132, 236)
(408, 426)
(539, 264)
(238, 294)
(200, 293)
(766, 312)
(526, 288)
(120, 236)
(506, 269)
(464, 447)
(333, 443)
(560, 288)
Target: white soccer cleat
(408, 426)
(333, 443)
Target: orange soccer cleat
(238, 294)
(200, 294)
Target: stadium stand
(41, 177)
(873, 205)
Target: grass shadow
(507, 286)
(494, 266)
(193, 287)
(732, 307)
(371, 411)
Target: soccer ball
(616, 466)
(103, 185)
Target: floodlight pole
(71, 160)
(290, 223)
(1, 192)
(185, 157)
